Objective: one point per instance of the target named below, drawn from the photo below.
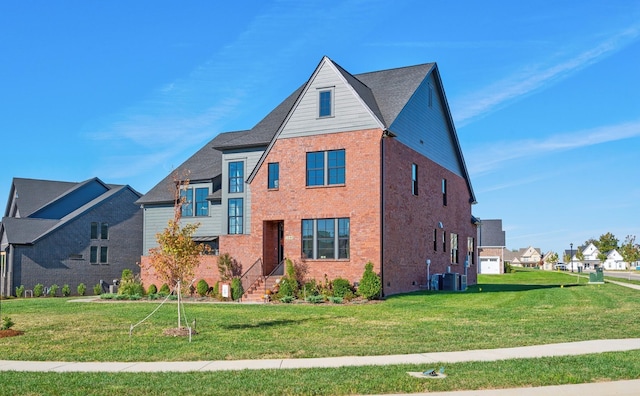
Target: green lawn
(524, 308)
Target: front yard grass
(523, 308)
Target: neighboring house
(590, 255)
(614, 261)
(348, 169)
(61, 233)
(546, 264)
(491, 247)
(527, 257)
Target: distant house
(348, 169)
(614, 261)
(491, 247)
(527, 257)
(61, 233)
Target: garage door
(490, 265)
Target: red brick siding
(207, 270)
(358, 199)
(410, 221)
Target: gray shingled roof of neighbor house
(385, 92)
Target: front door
(273, 245)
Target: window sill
(326, 260)
(327, 186)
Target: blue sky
(545, 94)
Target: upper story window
(414, 179)
(199, 206)
(274, 175)
(325, 168)
(104, 255)
(325, 102)
(235, 219)
(444, 192)
(99, 230)
(236, 177)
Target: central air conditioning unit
(463, 283)
(450, 281)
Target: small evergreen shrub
(20, 291)
(130, 284)
(82, 289)
(202, 287)
(152, 289)
(370, 284)
(66, 290)
(108, 296)
(7, 323)
(164, 290)
(135, 297)
(173, 297)
(38, 290)
(215, 292)
(53, 290)
(341, 287)
(153, 296)
(287, 288)
(97, 289)
(335, 300)
(236, 289)
(121, 296)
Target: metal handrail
(252, 275)
(278, 267)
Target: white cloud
(495, 155)
(536, 77)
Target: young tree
(177, 255)
(630, 250)
(552, 259)
(606, 243)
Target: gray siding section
(349, 113)
(250, 159)
(155, 220)
(425, 128)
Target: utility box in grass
(597, 276)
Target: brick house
(56, 232)
(348, 169)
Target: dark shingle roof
(491, 233)
(33, 194)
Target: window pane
(104, 231)
(325, 104)
(274, 175)
(236, 177)
(94, 230)
(103, 254)
(93, 257)
(187, 202)
(315, 169)
(235, 216)
(202, 205)
(414, 179)
(343, 238)
(335, 159)
(326, 238)
(307, 239)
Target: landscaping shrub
(38, 290)
(287, 288)
(153, 296)
(82, 289)
(236, 289)
(164, 290)
(216, 291)
(130, 284)
(310, 288)
(108, 296)
(335, 300)
(20, 291)
(317, 299)
(341, 287)
(287, 299)
(202, 287)
(152, 289)
(228, 267)
(53, 290)
(7, 323)
(370, 284)
(97, 289)
(66, 290)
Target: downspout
(382, 207)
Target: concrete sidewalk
(622, 388)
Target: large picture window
(236, 177)
(325, 238)
(235, 215)
(325, 167)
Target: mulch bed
(10, 333)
